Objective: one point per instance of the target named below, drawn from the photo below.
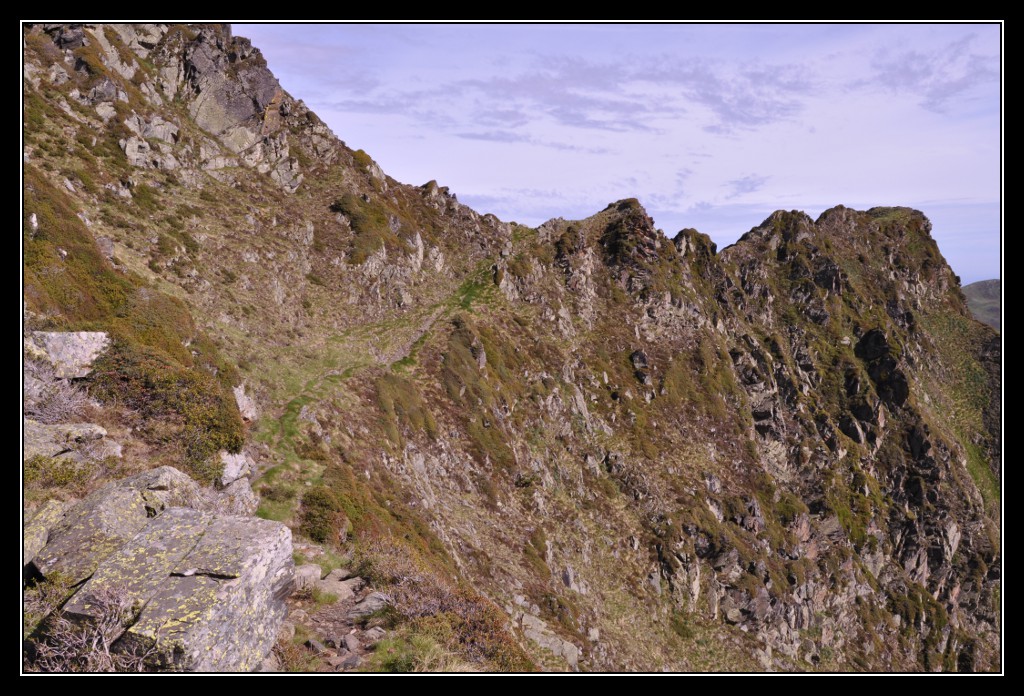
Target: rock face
(209, 587)
(72, 353)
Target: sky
(709, 126)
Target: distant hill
(983, 299)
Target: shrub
(323, 517)
(452, 616)
(56, 400)
(66, 646)
(198, 415)
(52, 472)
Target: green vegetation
(403, 409)
(183, 394)
(323, 515)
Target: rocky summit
(284, 412)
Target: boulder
(52, 439)
(222, 605)
(72, 353)
(104, 521)
(235, 466)
(307, 576)
(334, 584)
(37, 528)
(373, 602)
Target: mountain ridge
(780, 455)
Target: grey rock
(52, 439)
(537, 631)
(101, 523)
(140, 568)
(372, 603)
(307, 576)
(373, 635)
(355, 584)
(235, 466)
(351, 643)
(239, 498)
(91, 531)
(639, 360)
(334, 584)
(71, 353)
(37, 528)
(222, 607)
(246, 405)
(317, 647)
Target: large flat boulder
(208, 588)
(222, 605)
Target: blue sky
(710, 126)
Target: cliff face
(646, 453)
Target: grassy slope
(983, 298)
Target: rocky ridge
(783, 455)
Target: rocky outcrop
(208, 589)
(71, 353)
(74, 440)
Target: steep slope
(645, 453)
(983, 299)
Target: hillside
(587, 445)
(983, 300)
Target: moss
(194, 411)
(789, 507)
(146, 199)
(680, 625)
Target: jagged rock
(307, 576)
(351, 643)
(236, 466)
(72, 353)
(246, 405)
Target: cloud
(938, 77)
(744, 185)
